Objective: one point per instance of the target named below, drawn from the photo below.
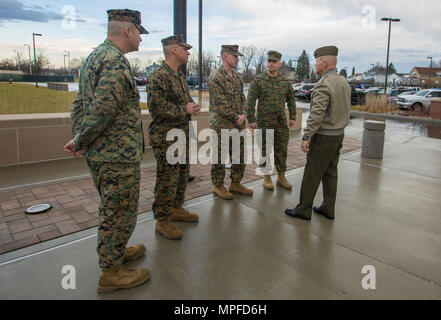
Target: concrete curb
(394, 117)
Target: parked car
(140, 81)
(357, 96)
(303, 88)
(418, 101)
(308, 94)
(394, 99)
(296, 88)
(372, 90)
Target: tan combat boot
(134, 252)
(268, 183)
(121, 278)
(236, 187)
(221, 192)
(182, 215)
(281, 181)
(168, 230)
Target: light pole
(30, 64)
(430, 71)
(64, 60)
(68, 61)
(35, 58)
(388, 46)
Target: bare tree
(248, 56)
(259, 62)
(136, 65)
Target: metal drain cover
(38, 208)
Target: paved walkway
(388, 217)
(75, 203)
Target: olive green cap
(232, 49)
(127, 15)
(274, 55)
(176, 39)
(326, 51)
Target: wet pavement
(388, 219)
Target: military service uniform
(272, 93)
(106, 119)
(167, 97)
(227, 102)
(329, 116)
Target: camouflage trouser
(281, 139)
(171, 182)
(218, 170)
(118, 186)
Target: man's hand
(197, 109)
(192, 108)
(292, 123)
(70, 147)
(253, 125)
(305, 146)
(241, 120)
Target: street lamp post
(30, 64)
(388, 46)
(430, 71)
(35, 58)
(64, 60)
(68, 62)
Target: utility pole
(430, 71)
(388, 46)
(35, 57)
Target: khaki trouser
(321, 165)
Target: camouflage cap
(176, 39)
(326, 51)
(232, 49)
(127, 15)
(274, 55)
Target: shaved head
(168, 49)
(331, 61)
(115, 28)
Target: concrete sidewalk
(388, 215)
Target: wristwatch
(305, 138)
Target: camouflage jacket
(106, 114)
(273, 93)
(167, 96)
(330, 106)
(227, 100)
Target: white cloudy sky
(288, 26)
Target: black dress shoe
(318, 210)
(190, 177)
(292, 213)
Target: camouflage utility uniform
(168, 95)
(273, 93)
(106, 119)
(227, 102)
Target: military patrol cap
(274, 55)
(232, 49)
(176, 39)
(326, 51)
(127, 15)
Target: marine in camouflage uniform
(167, 96)
(106, 120)
(227, 104)
(272, 93)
